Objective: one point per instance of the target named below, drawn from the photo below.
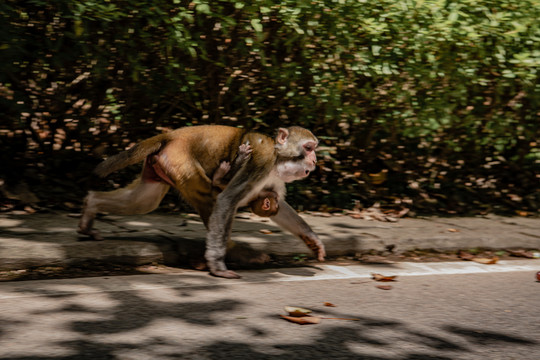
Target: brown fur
(186, 159)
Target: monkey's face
(296, 153)
(300, 166)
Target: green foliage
(440, 95)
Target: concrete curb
(29, 240)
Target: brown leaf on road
(321, 214)
(375, 213)
(329, 304)
(402, 212)
(521, 253)
(302, 320)
(487, 261)
(384, 287)
(297, 311)
(379, 277)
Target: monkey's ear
(282, 136)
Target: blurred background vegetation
(429, 105)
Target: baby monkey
(266, 203)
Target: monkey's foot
(94, 234)
(228, 274)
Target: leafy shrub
(433, 103)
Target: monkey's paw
(321, 254)
(315, 245)
(245, 150)
(225, 166)
(227, 274)
(223, 169)
(93, 234)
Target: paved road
(434, 311)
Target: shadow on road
(174, 323)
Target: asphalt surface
(44, 239)
(456, 310)
(440, 310)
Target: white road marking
(341, 269)
(417, 269)
(189, 279)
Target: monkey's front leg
(219, 230)
(288, 219)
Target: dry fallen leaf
(379, 277)
(321, 214)
(384, 287)
(29, 209)
(266, 231)
(452, 230)
(329, 304)
(486, 261)
(297, 311)
(402, 212)
(302, 320)
(465, 255)
(521, 253)
(379, 178)
(375, 213)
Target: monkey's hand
(313, 242)
(244, 151)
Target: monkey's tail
(133, 155)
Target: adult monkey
(186, 158)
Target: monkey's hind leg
(140, 197)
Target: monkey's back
(208, 145)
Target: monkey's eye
(309, 147)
